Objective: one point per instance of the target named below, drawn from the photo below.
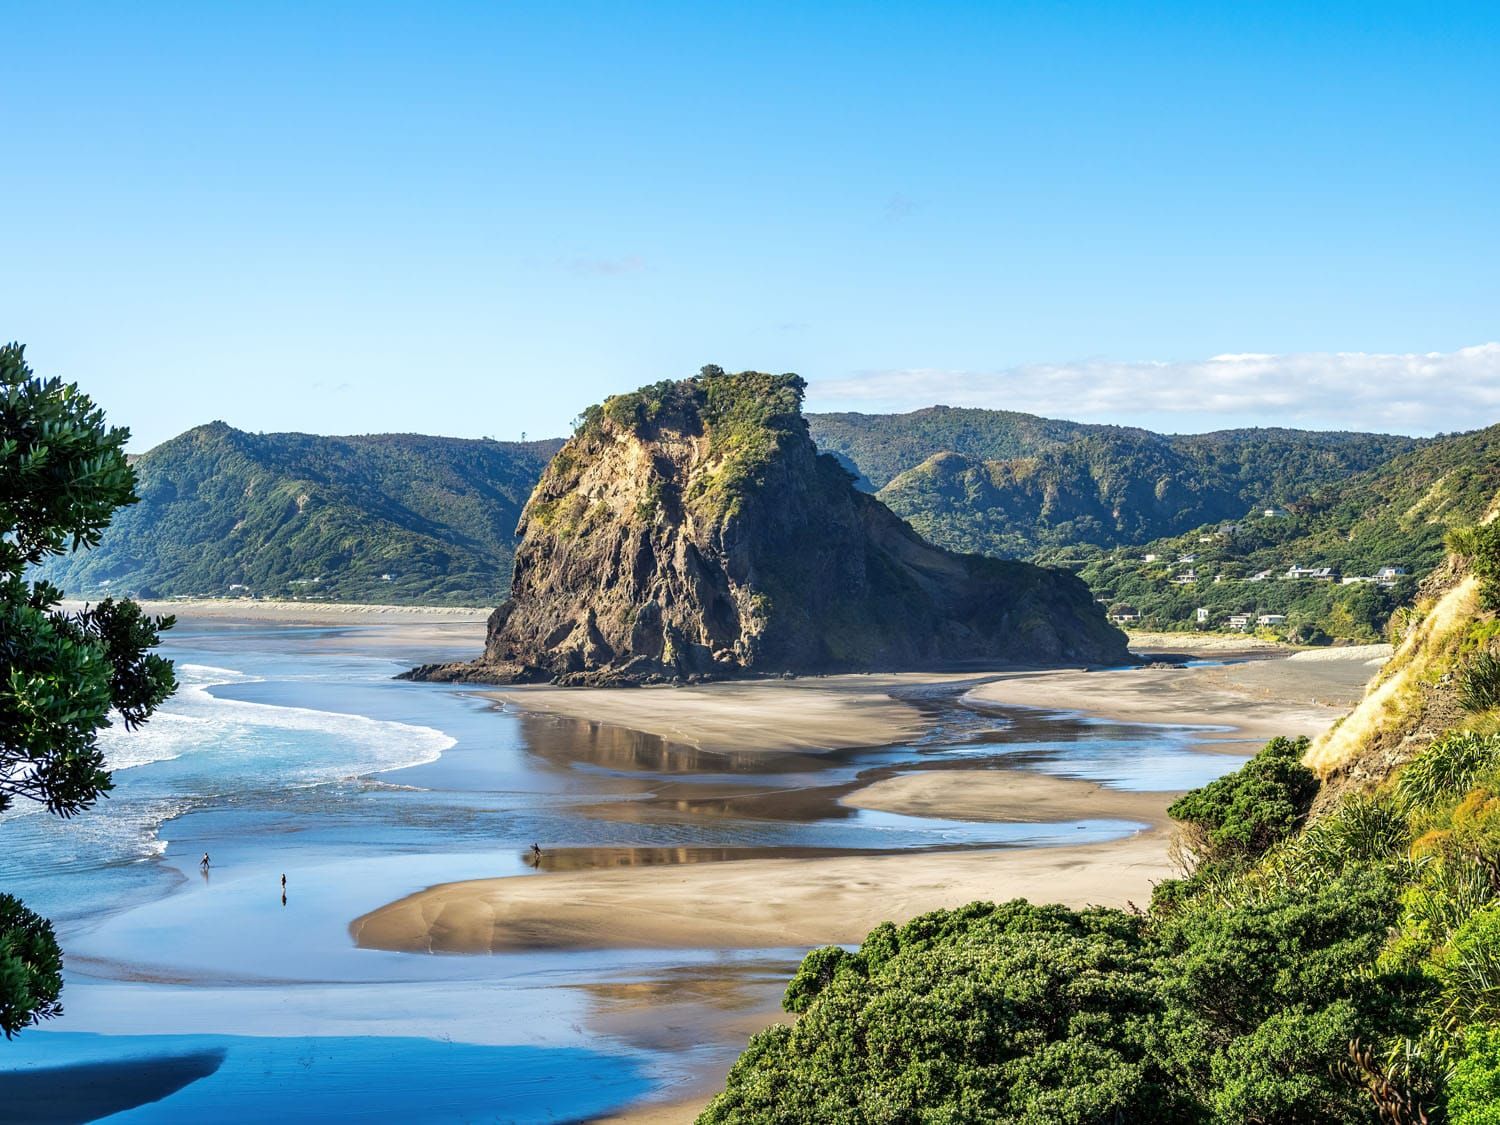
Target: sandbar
(753, 904)
(810, 715)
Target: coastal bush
(1237, 817)
(1479, 547)
(1473, 1089)
(1447, 769)
(62, 675)
(1479, 682)
(30, 967)
(1009, 1013)
(1265, 996)
(1469, 971)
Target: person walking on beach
(203, 863)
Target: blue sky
(477, 219)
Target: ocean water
(291, 751)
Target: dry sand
(309, 613)
(756, 903)
(408, 632)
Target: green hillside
(882, 446)
(1120, 486)
(386, 518)
(1395, 515)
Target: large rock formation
(692, 530)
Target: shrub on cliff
(1240, 815)
(1014, 1013)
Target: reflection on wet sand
(592, 859)
(648, 780)
(701, 1015)
(565, 743)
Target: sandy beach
(1256, 699)
(778, 903)
(305, 612)
(749, 904)
(397, 629)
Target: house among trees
(1240, 621)
(1274, 513)
(1387, 575)
(1270, 619)
(1317, 573)
(1121, 614)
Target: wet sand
(811, 715)
(1016, 796)
(1258, 699)
(774, 903)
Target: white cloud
(1403, 393)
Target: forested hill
(884, 446)
(1394, 515)
(1010, 484)
(879, 447)
(385, 518)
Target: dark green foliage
(1448, 769)
(30, 968)
(1237, 817)
(1479, 547)
(1264, 465)
(1011, 1013)
(1021, 1013)
(1109, 486)
(62, 472)
(1265, 997)
(1479, 682)
(293, 515)
(1474, 1088)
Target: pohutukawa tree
(63, 473)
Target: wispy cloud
(606, 267)
(1405, 393)
(899, 207)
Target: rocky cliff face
(692, 530)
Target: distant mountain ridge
(384, 518)
(1010, 484)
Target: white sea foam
(196, 721)
(204, 747)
